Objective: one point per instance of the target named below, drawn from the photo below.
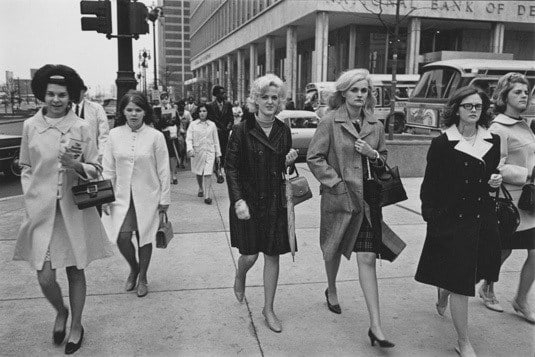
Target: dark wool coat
(223, 120)
(255, 173)
(462, 242)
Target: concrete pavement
(191, 309)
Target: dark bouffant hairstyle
(451, 110)
(504, 86)
(202, 105)
(56, 74)
(217, 89)
(139, 99)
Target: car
(303, 125)
(110, 107)
(9, 155)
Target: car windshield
(437, 83)
(310, 122)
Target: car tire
(14, 169)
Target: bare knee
(249, 259)
(274, 259)
(366, 258)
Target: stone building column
(270, 54)
(352, 47)
(230, 78)
(497, 35)
(221, 68)
(321, 50)
(253, 61)
(290, 67)
(413, 45)
(241, 75)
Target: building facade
(303, 41)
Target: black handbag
(165, 232)
(300, 188)
(91, 194)
(526, 201)
(507, 214)
(218, 173)
(383, 186)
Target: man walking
(220, 112)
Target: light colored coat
(202, 138)
(517, 150)
(336, 164)
(137, 162)
(95, 115)
(45, 183)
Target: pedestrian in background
(237, 112)
(220, 112)
(258, 153)
(202, 143)
(54, 233)
(137, 163)
(511, 98)
(462, 244)
(346, 139)
(169, 125)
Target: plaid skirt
(366, 241)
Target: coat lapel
(63, 126)
(257, 132)
(480, 147)
(367, 125)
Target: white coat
(137, 162)
(202, 138)
(44, 184)
(96, 116)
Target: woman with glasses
(511, 99)
(462, 242)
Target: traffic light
(138, 19)
(102, 22)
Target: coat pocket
(335, 199)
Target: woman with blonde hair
(258, 153)
(511, 98)
(347, 139)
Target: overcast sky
(37, 32)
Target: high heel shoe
(72, 347)
(334, 308)
(239, 294)
(272, 322)
(524, 311)
(59, 336)
(441, 309)
(382, 343)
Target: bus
(439, 80)
(318, 94)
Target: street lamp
(144, 56)
(154, 14)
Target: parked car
(303, 125)
(110, 107)
(9, 155)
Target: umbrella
(291, 217)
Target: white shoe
(489, 299)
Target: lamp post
(144, 56)
(154, 14)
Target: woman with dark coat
(462, 242)
(258, 153)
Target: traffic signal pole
(126, 79)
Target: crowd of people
(68, 142)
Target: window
(437, 83)
(301, 123)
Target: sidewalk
(191, 308)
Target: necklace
(471, 139)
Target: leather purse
(383, 187)
(165, 231)
(218, 173)
(507, 214)
(526, 201)
(300, 188)
(91, 194)
(391, 245)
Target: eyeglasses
(470, 106)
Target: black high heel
(59, 336)
(382, 343)
(72, 347)
(334, 308)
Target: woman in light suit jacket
(346, 138)
(137, 161)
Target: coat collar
(63, 126)
(481, 145)
(505, 120)
(341, 116)
(254, 129)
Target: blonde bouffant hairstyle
(345, 81)
(504, 86)
(261, 86)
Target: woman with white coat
(55, 233)
(137, 162)
(202, 144)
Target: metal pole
(125, 75)
(154, 54)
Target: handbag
(507, 214)
(218, 173)
(91, 194)
(392, 245)
(383, 187)
(165, 231)
(300, 188)
(526, 201)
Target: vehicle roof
(296, 114)
(376, 79)
(464, 64)
(5, 136)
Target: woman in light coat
(137, 162)
(511, 98)
(55, 233)
(346, 137)
(202, 144)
